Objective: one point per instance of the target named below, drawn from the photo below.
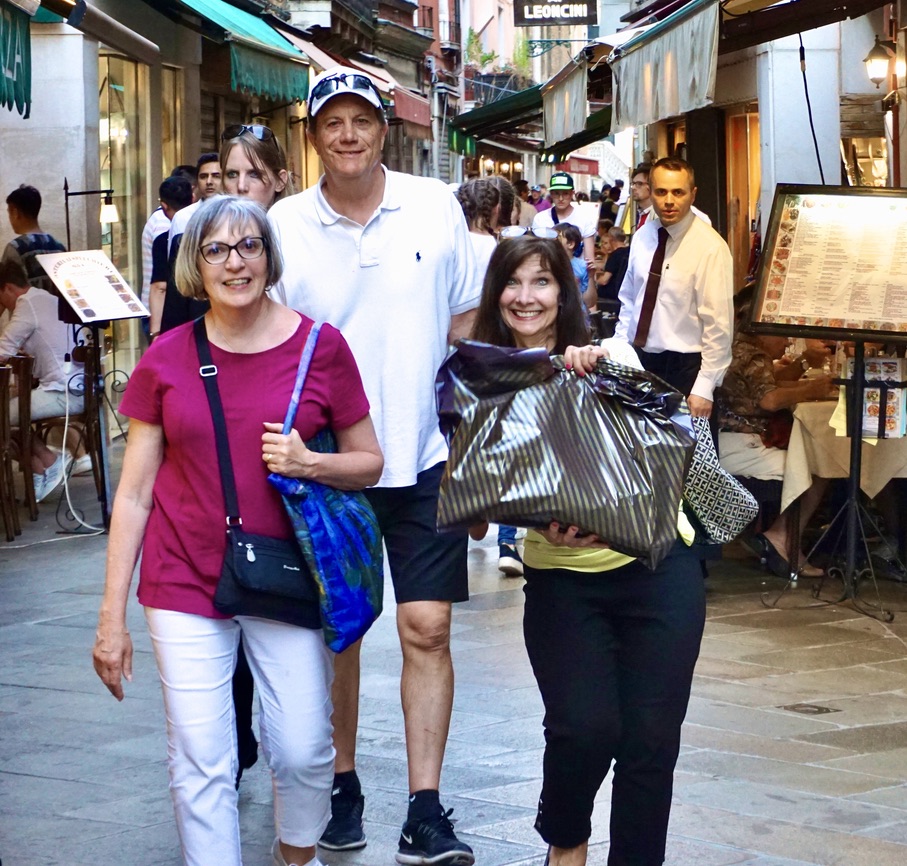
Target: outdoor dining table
(816, 449)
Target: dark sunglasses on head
(343, 79)
(235, 130)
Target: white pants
(744, 454)
(293, 670)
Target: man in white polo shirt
(565, 210)
(386, 258)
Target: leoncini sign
(553, 14)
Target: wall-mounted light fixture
(879, 59)
(108, 213)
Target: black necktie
(651, 295)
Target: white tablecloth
(815, 450)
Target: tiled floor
(83, 780)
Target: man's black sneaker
(429, 841)
(344, 831)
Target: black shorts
(426, 565)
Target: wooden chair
(8, 506)
(23, 369)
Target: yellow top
(540, 553)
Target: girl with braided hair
(488, 203)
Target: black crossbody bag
(261, 576)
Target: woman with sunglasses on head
(254, 167)
(254, 164)
(612, 644)
(168, 506)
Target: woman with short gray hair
(169, 507)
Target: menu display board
(92, 286)
(834, 264)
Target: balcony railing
(449, 31)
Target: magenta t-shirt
(185, 539)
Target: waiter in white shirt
(677, 296)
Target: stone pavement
(83, 780)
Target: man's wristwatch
(804, 364)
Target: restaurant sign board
(554, 14)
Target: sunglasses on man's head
(327, 86)
(262, 133)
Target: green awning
(15, 43)
(503, 115)
(460, 142)
(598, 126)
(261, 60)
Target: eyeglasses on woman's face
(519, 231)
(217, 252)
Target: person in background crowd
(611, 277)
(386, 256)
(641, 193)
(612, 644)
(568, 234)
(166, 509)
(677, 295)
(481, 203)
(564, 210)
(175, 193)
(609, 208)
(537, 199)
(582, 197)
(754, 404)
(527, 211)
(209, 176)
(255, 167)
(158, 222)
(35, 328)
(23, 206)
(254, 164)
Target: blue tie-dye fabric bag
(338, 534)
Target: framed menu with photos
(834, 264)
(92, 286)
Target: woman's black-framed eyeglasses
(351, 81)
(519, 231)
(217, 252)
(235, 130)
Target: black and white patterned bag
(722, 505)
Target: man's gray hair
(227, 212)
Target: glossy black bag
(531, 443)
(266, 577)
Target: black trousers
(678, 369)
(613, 654)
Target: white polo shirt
(391, 288)
(584, 217)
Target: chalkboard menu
(834, 264)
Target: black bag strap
(208, 371)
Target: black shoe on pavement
(432, 841)
(344, 831)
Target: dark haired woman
(612, 644)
